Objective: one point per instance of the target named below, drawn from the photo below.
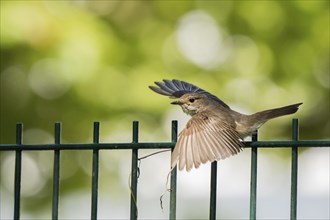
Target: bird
(214, 131)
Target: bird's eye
(191, 100)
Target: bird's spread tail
(277, 112)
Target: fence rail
(135, 146)
(159, 145)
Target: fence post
(134, 173)
(253, 181)
(173, 175)
(213, 191)
(294, 170)
(95, 170)
(56, 174)
(18, 172)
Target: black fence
(135, 146)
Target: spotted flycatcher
(215, 131)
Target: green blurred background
(82, 61)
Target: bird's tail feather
(277, 112)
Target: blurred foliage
(81, 61)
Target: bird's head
(192, 103)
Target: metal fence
(135, 146)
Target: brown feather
(205, 139)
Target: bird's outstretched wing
(176, 88)
(205, 139)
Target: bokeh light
(201, 40)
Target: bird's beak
(176, 103)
